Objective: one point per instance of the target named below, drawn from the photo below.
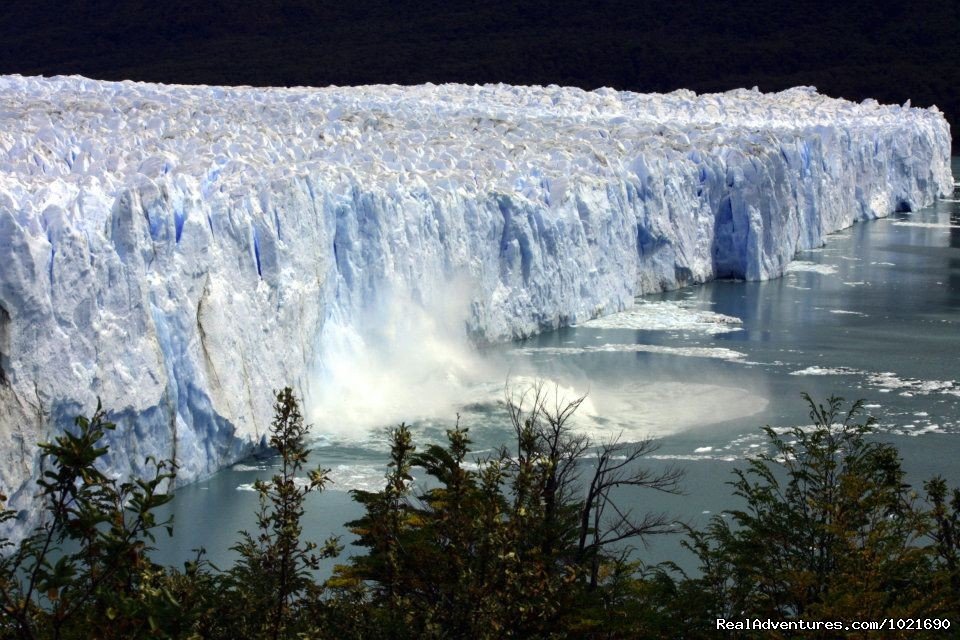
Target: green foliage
(501, 548)
(87, 564)
(381, 530)
(829, 530)
(272, 584)
(475, 560)
(943, 527)
(527, 543)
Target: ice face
(180, 251)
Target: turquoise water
(873, 315)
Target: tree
(944, 534)
(272, 582)
(829, 529)
(389, 564)
(617, 465)
(81, 573)
(545, 436)
(500, 548)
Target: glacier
(179, 251)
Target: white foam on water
(667, 316)
(847, 313)
(488, 402)
(827, 371)
(365, 477)
(299, 482)
(247, 467)
(802, 266)
(886, 381)
(720, 353)
(890, 381)
(655, 409)
(933, 428)
(912, 430)
(927, 225)
(751, 444)
(690, 457)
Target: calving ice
(180, 251)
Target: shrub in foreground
(526, 543)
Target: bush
(527, 543)
(515, 546)
(829, 531)
(272, 587)
(85, 571)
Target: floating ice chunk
(801, 266)
(847, 313)
(888, 381)
(348, 477)
(691, 457)
(827, 371)
(692, 352)
(246, 467)
(927, 225)
(667, 316)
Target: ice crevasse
(178, 251)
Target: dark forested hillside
(891, 51)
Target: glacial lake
(872, 315)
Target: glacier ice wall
(180, 251)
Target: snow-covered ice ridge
(178, 251)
